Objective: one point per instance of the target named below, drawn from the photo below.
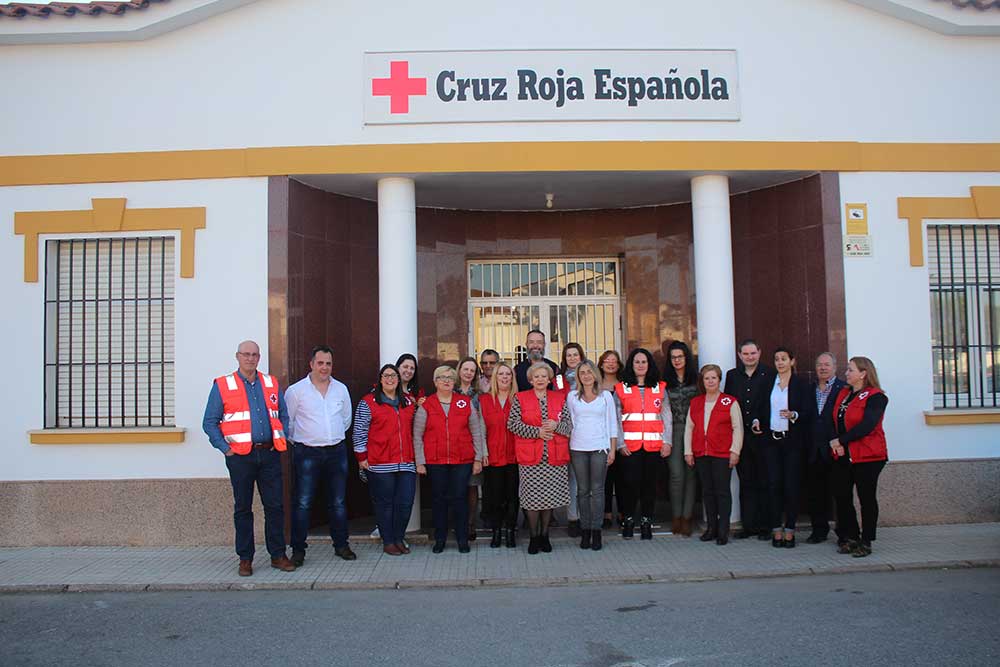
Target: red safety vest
(499, 439)
(529, 451)
(873, 446)
(718, 441)
(235, 422)
(447, 438)
(642, 426)
(390, 435)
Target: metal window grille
(964, 268)
(109, 333)
(585, 277)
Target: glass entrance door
(570, 300)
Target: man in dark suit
(535, 344)
(751, 383)
(818, 463)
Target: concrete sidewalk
(665, 558)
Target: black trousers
(847, 476)
(818, 495)
(639, 481)
(715, 474)
(754, 499)
(784, 480)
(500, 500)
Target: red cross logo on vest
(726, 401)
(863, 395)
(273, 397)
(460, 403)
(657, 402)
(399, 86)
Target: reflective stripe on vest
(652, 437)
(236, 426)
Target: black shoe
(438, 547)
(861, 549)
(595, 540)
(533, 545)
(544, 544)
(628, 528)
(298, 557)
(776, 540)
(573, 529)
(722, 540)
(789, 544)
(463, 548)
(496, 541)
(846, 546)
(816, 538)
(510, 537)
(744, 534)
(345, 552)
(709, 535)
(645, 529)
(587, 538)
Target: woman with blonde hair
(500, 502)
(860, 453)
(541, 445)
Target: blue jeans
(314, 465)
(449, 483)
(392, 498)
(263, 467)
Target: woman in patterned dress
(542, 450)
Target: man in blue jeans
(319, 414)
(246, 420)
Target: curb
(550, 582)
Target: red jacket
(529, 451)
(718, 441)
(390, 435)
(871, 447)
(641, 423)
(499, 439)
(447, 438)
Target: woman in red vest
(383, 446)
(467, 384)
(646, 437)
(448, 448)
(500, 464)
(859, 453)
(713, 439)
(542, 449)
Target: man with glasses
(534, 343)
(246, 420)
(319, 414)
(488, 361)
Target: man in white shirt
(319, 414)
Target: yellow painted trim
(955, 417)
(108, 215)
(516, 156)
(984, 203)
(107, 436)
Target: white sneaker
(375, 534)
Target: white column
(713, 271)
(713, 281)
(397, 279)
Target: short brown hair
(701, 376)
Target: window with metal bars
(109, 333)
(964, 268)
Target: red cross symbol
(399, 86)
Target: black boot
(495, 542)
(544, 544)
(710, 534)
(628, 528)
(595, 541)
(585, 538)
(510, 537)
(573, 529)
(645, 529)
(533, 545)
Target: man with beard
(535, 344)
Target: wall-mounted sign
(857, 219)
(510, 86)
(857, 245)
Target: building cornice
(973, 18)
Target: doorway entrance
(571, 300)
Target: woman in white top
(592, 447)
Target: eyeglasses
(389, 376)
(249, 355)
(487, 363)
(676, 357)
(444, 378)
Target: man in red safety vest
(246, 420)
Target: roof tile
(44, 10)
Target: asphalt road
(937, 617)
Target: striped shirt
(363, 422)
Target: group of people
(538, 436)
